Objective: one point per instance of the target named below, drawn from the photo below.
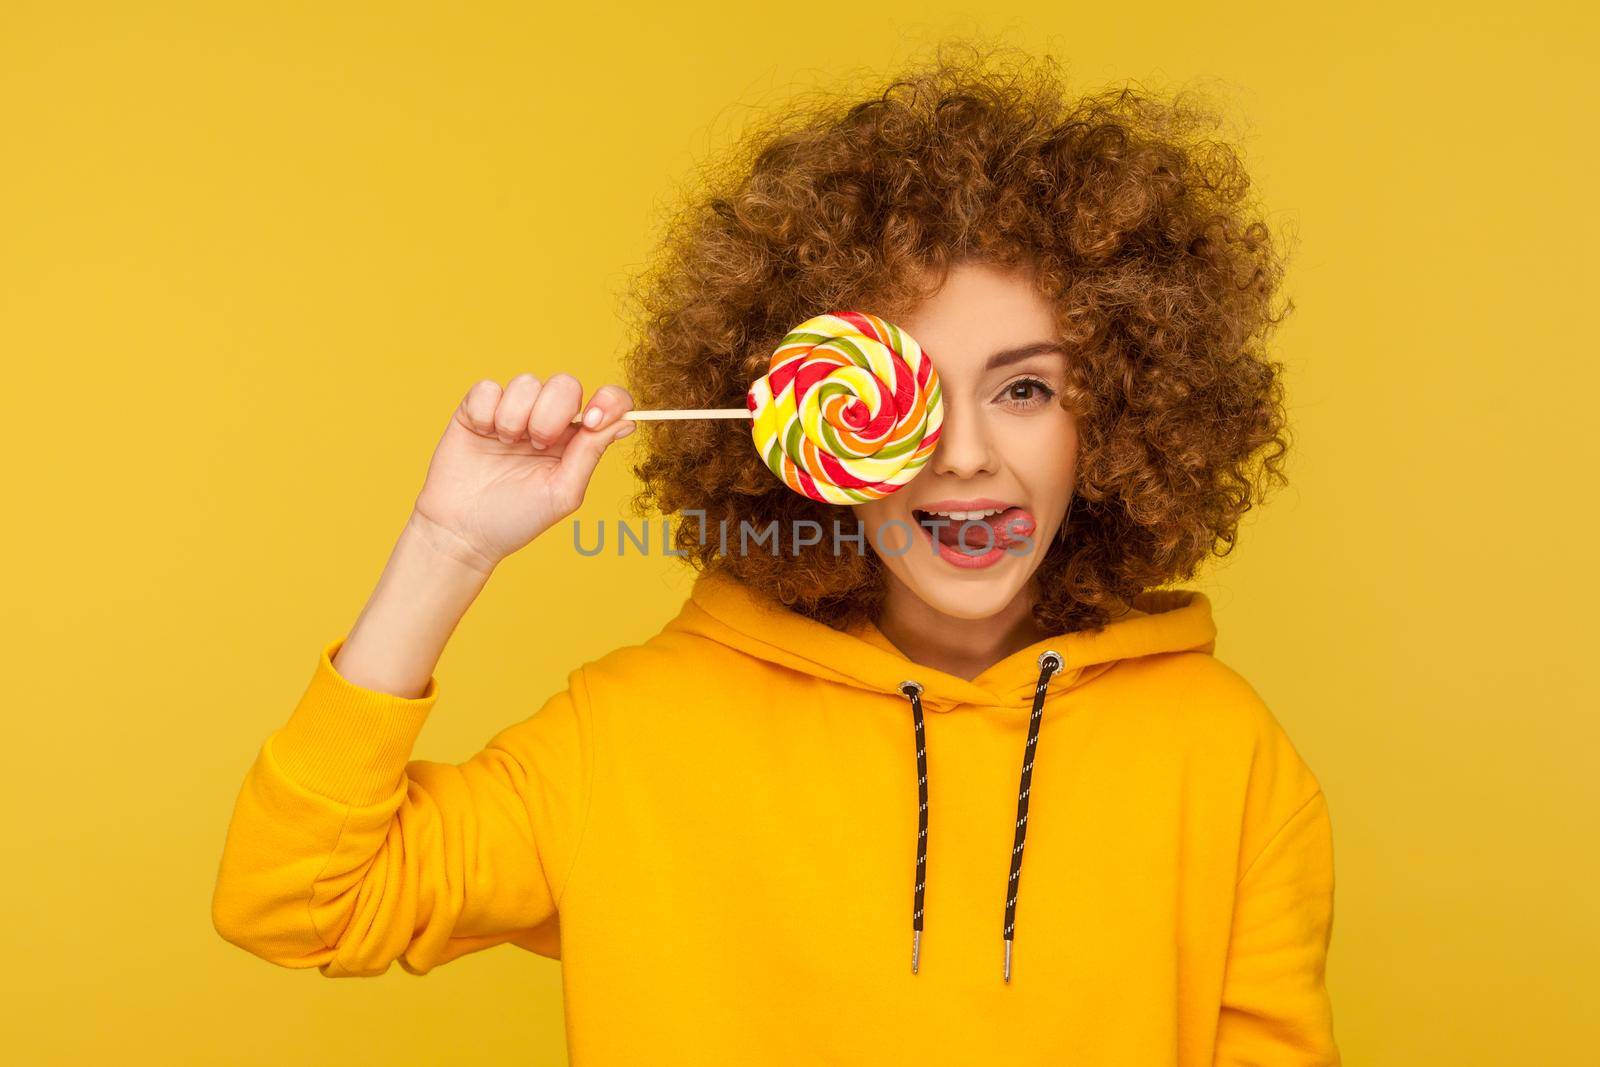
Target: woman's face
(996, 489)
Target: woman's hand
(511, 464)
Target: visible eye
(1027, 393)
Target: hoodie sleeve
(1275, 1006)
(344, 856)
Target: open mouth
(977, 532)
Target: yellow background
(250, 257)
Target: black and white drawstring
(913, 691)
(1049, 663)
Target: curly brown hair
(1136, 224)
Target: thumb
(582, 454)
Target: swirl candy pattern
(849, 410)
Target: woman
(790, 826)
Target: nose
(964, 449)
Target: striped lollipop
(849, 410)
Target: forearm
(426, 587)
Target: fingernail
(627, 427)
(591, 418)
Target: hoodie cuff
(347, 742)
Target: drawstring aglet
(916, 948)
(1008, 959)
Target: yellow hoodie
(732, 834)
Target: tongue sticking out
(1006, 528)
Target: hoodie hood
(727, 611)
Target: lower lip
(965, 560)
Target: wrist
(450, 549)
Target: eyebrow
(1008, 356)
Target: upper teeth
(963, 516)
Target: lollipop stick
(682, 413)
